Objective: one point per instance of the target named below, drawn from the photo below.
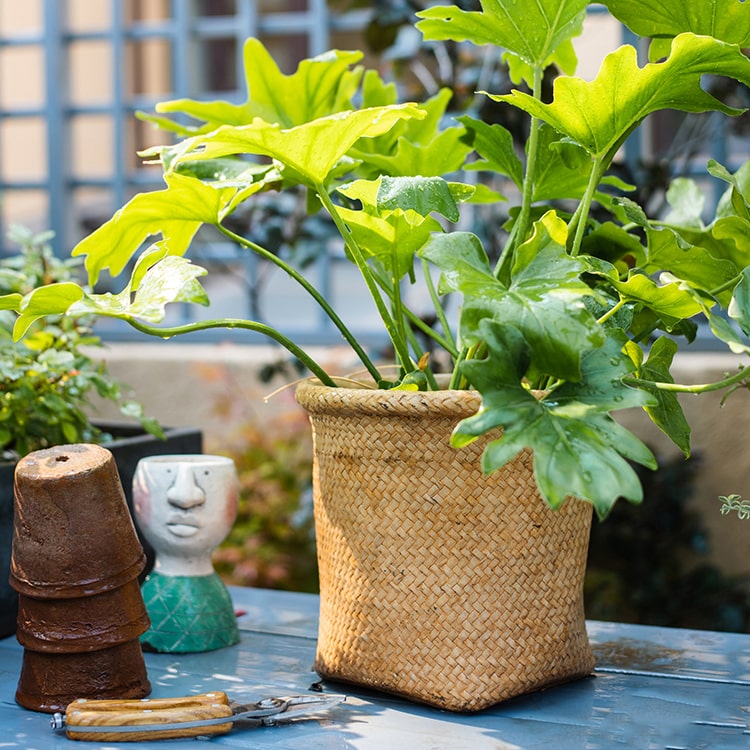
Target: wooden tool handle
(150, 711)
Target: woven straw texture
(438, 583)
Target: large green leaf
(414, 146)
(599, 114)
(739, 307)
(320, 86)
(494, 144)
(176, 213)
(723, 19)
(579, 450)
(666, 413)
(392, 239)
(154, 285)
(157, 280)
(532, 31)
(701, 267)
(311, 150)
(544, 299)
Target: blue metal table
(653, 688)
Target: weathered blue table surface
(653, 688)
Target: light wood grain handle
(150, 711)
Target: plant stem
(532, 152)
(582, 215)
(457, 381)
(399, 344)
(612, 310)
(444, 342)
(738, 377)
(726, 285)
(439, 311)
(311, 290)
(250, 325)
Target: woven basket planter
(436, 582)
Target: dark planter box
(130, 445)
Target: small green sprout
(736, 503)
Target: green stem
(507, 252)
(531, 159)
(429, 374)
(521, 226)
(444, 343)
(726, 285)
(250, 325)
(311, 290)
(399, 344)
(438, 307)
(582, 216)
(457, 381)
(612, 310)
(738, 377)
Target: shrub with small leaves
(46, 380)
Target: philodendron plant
(577, 318)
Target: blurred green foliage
(47, 379)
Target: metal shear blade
(272, 710)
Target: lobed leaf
(311, 150)
(579, 450)
(666, 412)
(599, 114)
(320, 86)
(176, 213)
(544, 300)
(726, 20)
(532, 31)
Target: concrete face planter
(185, 506)
(130, 445)
(437, 582)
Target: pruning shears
(169, 718)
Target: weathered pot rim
(318, 398)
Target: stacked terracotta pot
(75, 564)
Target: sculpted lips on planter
(183, 526)
(60, 547)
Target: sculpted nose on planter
(184, 492)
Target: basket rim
(317, 398)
